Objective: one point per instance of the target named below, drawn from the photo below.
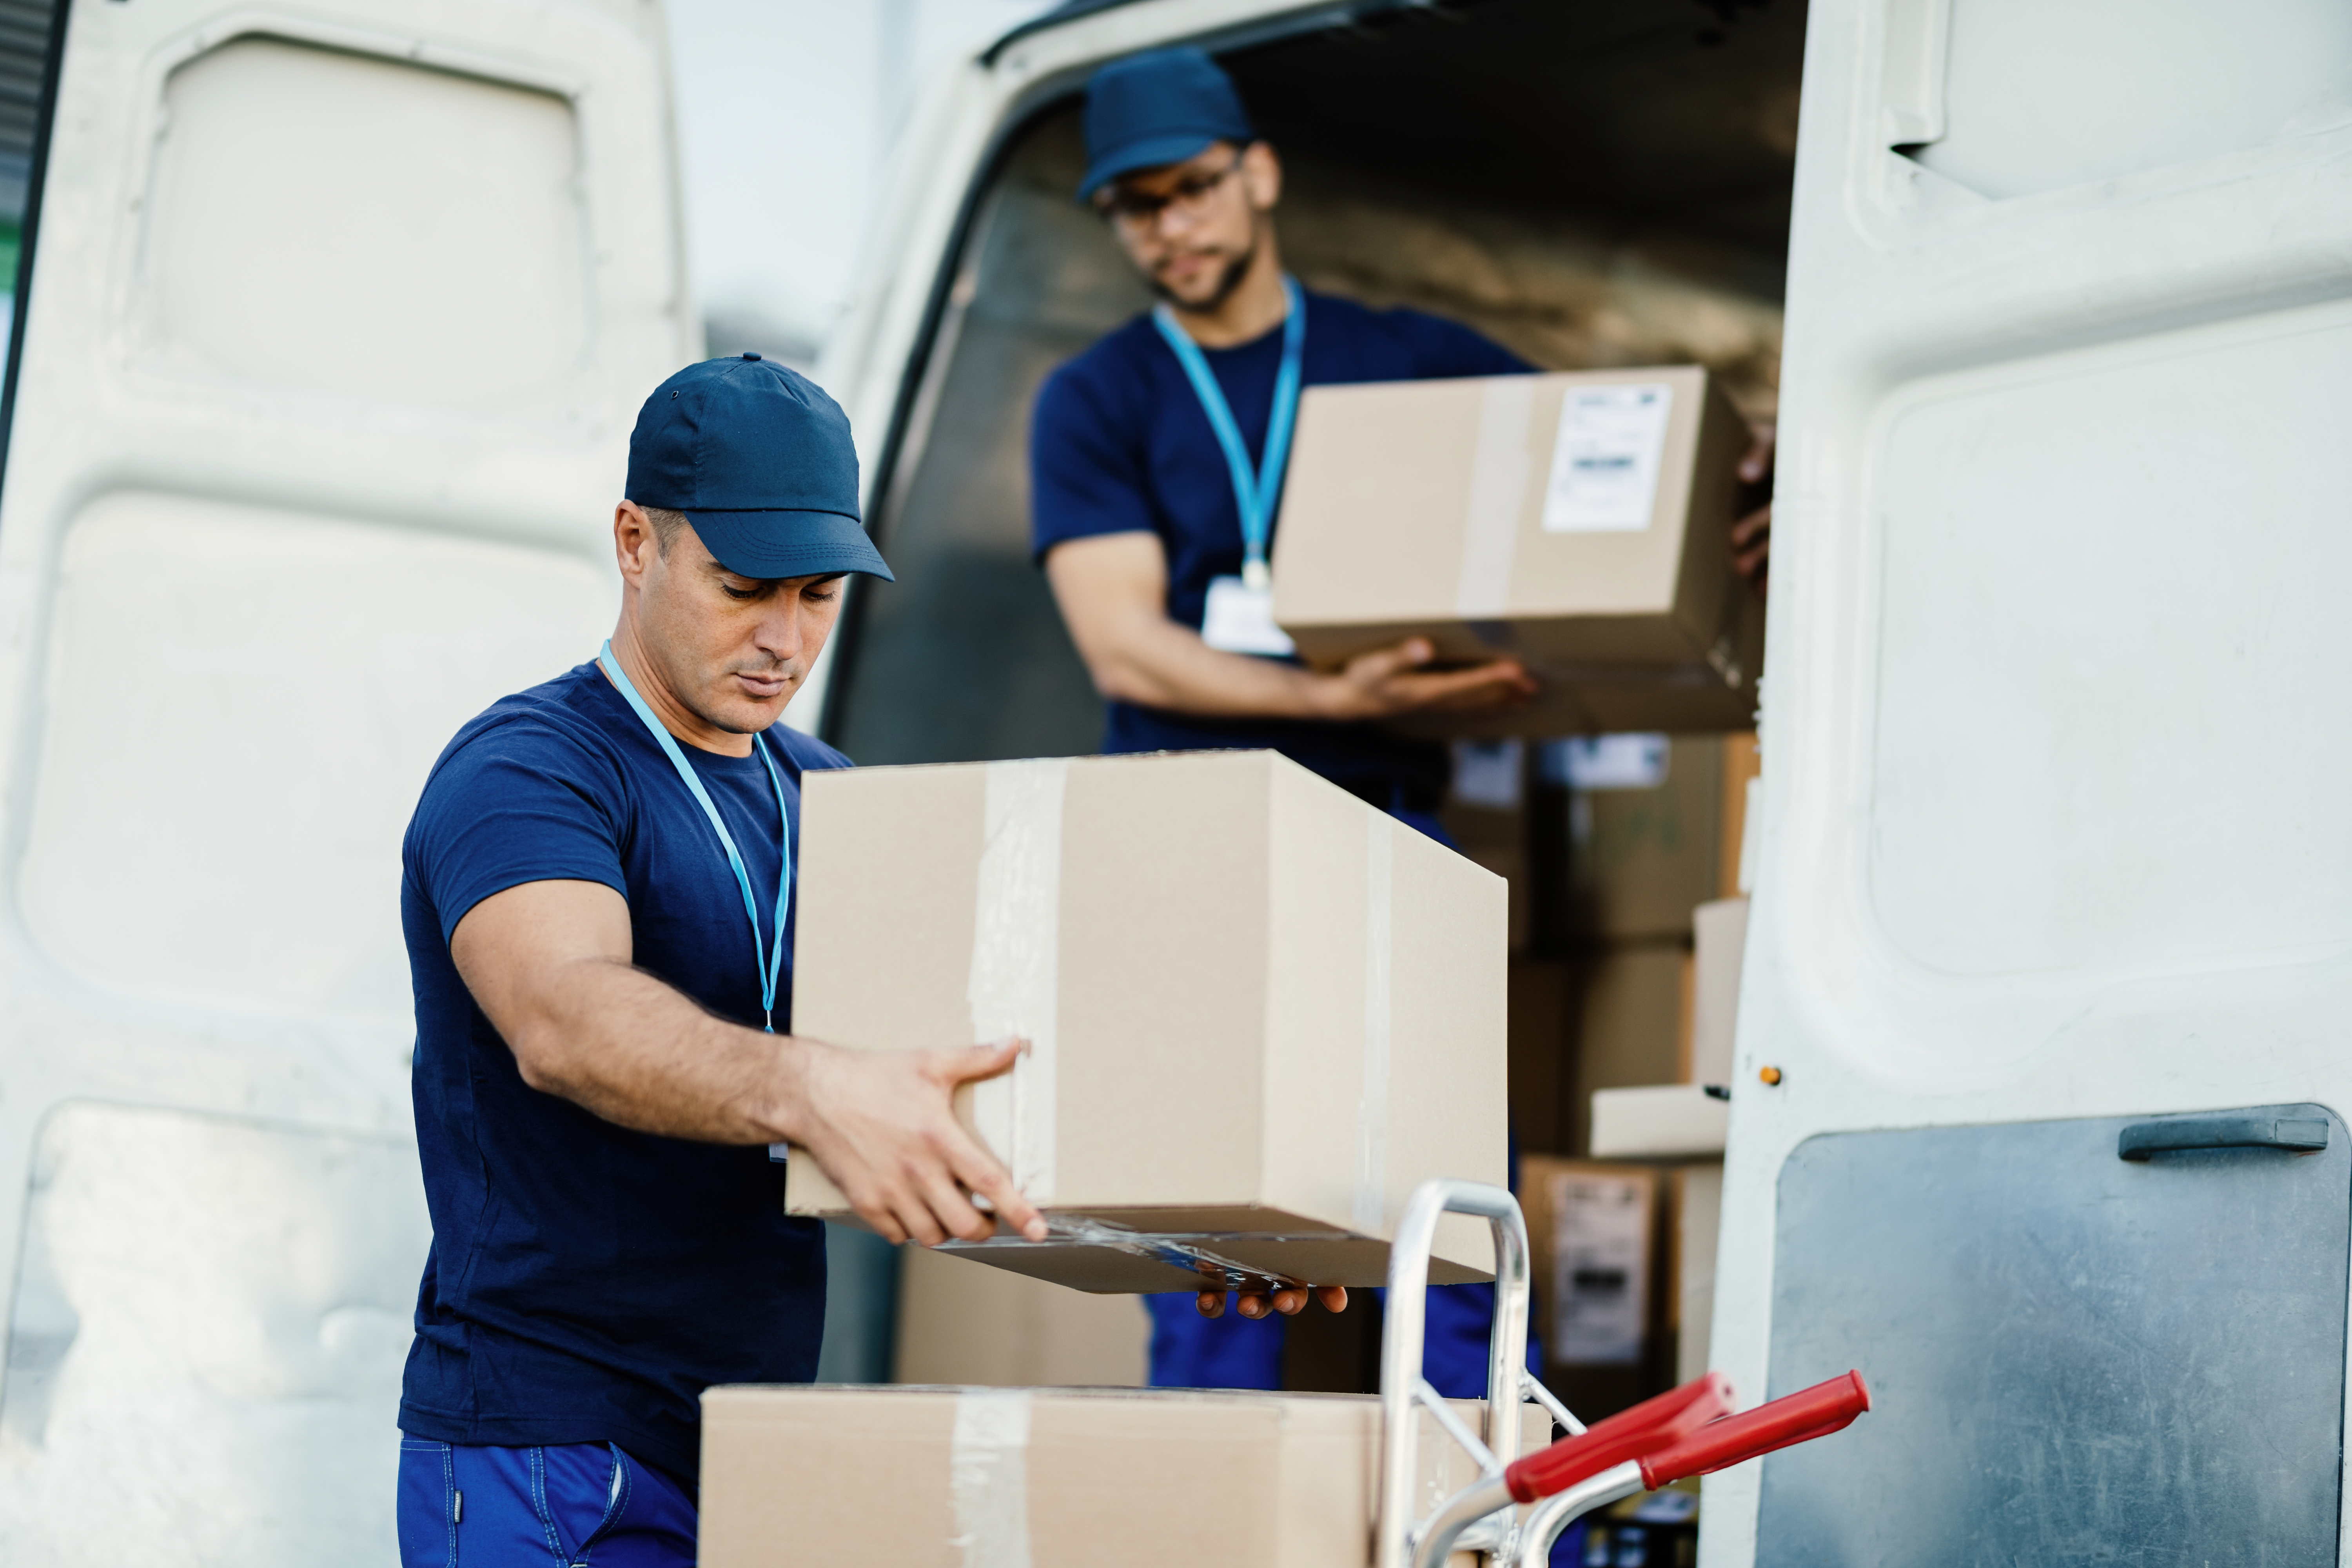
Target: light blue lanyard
(1254, 495)
(771, 960)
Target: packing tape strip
(1373, 1103)
(1015, 982)
(988, 1475)
(1498, 488)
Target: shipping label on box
(1579, 522)
(1056, 1478)
(1600, 1269)
(1593, 1230)
(1260, 1013)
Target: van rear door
(2055, 842)
(336, 320)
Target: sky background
(787, 111)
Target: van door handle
(2142, 1140)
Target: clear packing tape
(1195, 1252)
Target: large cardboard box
(1580, 521)
(944, 1478)
(1260, 1013)
(993, 1328)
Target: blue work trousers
(462, 1506)
(1189, 1350)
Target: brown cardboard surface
(1416, 508)
(1742, 761)
(1721, 930)
(1143, 1479)
(1642, 859)
(1206, 964)
(1628, 1008)
(1499, 841)
(962, 1323)
(1539, 1055)
(1698, 1222)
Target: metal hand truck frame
(1688, 1432)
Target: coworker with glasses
(1157, 458)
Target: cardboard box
(1053, 1478)
(1698, 1227)
(1640, 860)
(1720, 932)
(1579, 522)
(1628, 1010)
(1593, 1232)
(992, 1328)
(1260, 1012)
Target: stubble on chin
(1227, 281)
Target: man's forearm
(635, 1052)
(1167, 665)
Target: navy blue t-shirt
(1121, 445)
(587, 1282)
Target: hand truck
(1688, 1432)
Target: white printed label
(1607, 761)
(1240, 619)
(1604, 463)
(1600, 1248)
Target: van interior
(1599, 184)
(1591, 185)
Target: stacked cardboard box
(993, 1328)
(1579, 522)
(1595, 1229)
(1055, 1479)
(1260, 1013)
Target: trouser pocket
(581, 1490)
(424, 1506)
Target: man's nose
(778, 634)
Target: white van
(2051, 964)
(337, 318)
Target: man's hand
(548, 963)
(1751, 536)
(1388, 681)
(1289, 1302)
(879, 1124)
(1113, 591)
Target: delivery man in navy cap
(597, 895)
(1156, 459)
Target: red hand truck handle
(1649, 1425)
(1799, 1418)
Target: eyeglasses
(1137, 212)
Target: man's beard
(1231, 279)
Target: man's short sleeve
(1443, 348)
(1087, 473)
(518, 803)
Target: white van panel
(322, 220)
(298, 634)
(2051, 823)
(2175, 81)
(339, 319)
(2108, 578)
(214, 1309)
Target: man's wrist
(1319, 694)
(782, 1107)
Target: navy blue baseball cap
(760, 460)
(1152, 109)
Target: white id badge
(1240, 619)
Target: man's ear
(1262, 172)
(635, 541)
